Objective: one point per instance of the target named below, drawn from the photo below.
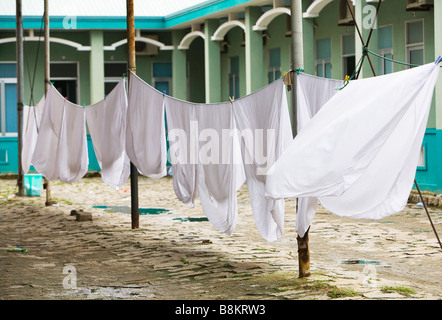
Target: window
(415, 42)
(385, 44)
(113, 71)
(422, 162)
(348, 54)
(8, 99)
(234, 77)
(323, 58)
(64, 76)
(274, 71)
(162, 76)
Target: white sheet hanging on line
(107, 126)
(145, 129)
(205, 158)
(61, 148)
(220, 169)
(31, 124)
(359, 153)
(183, 151)
(313, 92)
(263, 120)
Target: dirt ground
(177, 254)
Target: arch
(268, 17)
(188, 38)
(225, 27)
(316, 7)
(76, 45)
(156, 43)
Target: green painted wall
(234, 37)
(195, 60)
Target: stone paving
(178, 254)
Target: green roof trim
(119, 22)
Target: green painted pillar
(255, 78)
(365, 13)
(96, 66)
(437, 53)
(179, 63)
(308, 41)
(212, 62)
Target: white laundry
(107, 126)
(61, 147)
(263, 120)
(220, 170)
(31, 124)
(205, 158)
(183, 148)
(145, 129)
(312, 93)
(359, 153)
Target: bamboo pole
(47, 75)
(297, 62)
(135, 216)
(20, 93)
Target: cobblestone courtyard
(177, 254)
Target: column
(179, 66)
(308, 42)
(212, 62)
(96, 66)
(365, 14)
(254, 51)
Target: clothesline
(131, 126)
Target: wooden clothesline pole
(135, 216)
(297, 62)
(47, 74)
(20, 94)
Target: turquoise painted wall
(429, 177)
(9, 144)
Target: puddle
(126, 209)
(358, 261)
(192, 219)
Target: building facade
(213, 50)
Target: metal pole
(297, 62)
(135, 216)
(46, 184)
(360, 36)
(20, 94)
(428, 214)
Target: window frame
(162, 79)
(114, 79)
(233, 76)
(322, 61)
(384, 51)
(273, 69)
(4, 81)
(346, 55)
(77, 78)
(414, 46)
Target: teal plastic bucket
(33, 184)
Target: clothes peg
(439, 59)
